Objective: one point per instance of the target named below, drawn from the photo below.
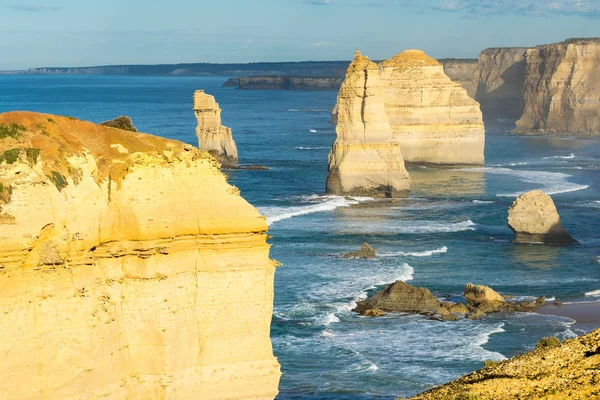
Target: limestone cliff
(500, 76)
(462, 71)
(129, 269)
(570, 370)
(562, 88)
(212, 136)
(432, 117)
(365, 160)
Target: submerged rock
(554, 370)
(400, 297)
(122, 122)
(365, 251)
(534, 219)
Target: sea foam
(425, 253)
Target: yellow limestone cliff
(129, 269)
(433, 118)
(365, 160)
(212, 136)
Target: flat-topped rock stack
(365, 160)
(212, 136)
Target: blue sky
(82, 33)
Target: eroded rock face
(122, 122)
(124, 259)
(500, 77)
(212, 136)
(365, 160)
(562, 88)
(483, 299)
(462, 71)
(400, 297)
(567, 370)
(534, 219)
(433, 118)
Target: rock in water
(562, 88)
(124, 263)
(122, 122)
(364, 160)
(212, 136)
(433, 118)
(534, 219)
(365, 251)
(484, 299)
(401, 297)
(567, 370)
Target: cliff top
(26, 136)
(204, 101)
(411, 58)
(581, 40)
(552, 370)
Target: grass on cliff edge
(12, 130)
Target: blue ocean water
(450, 230)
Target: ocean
(449, 231)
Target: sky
(64, 33)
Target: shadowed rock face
(562, 88)
(124, 260)
(570, 370)
(533, 219)
(364, 159)
(365, 251)
(122, 122)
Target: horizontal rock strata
(129, 269)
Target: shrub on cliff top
(548, 343)
(12, 130)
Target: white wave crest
(484, 337)
(551, 182)
(310, 148)
(593, 293)
(425, 253)
(482, 202)
(569, 157)
(320, 204)
(409, 227)
(312, 130)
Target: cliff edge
(124, 258)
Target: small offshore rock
(401, 297)
(365, 252)
(483, 298)
(373, 312)
(458, 308)
(540, 301)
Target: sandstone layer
(562, 88)
(433, 118)
(534, 219)
(570, 370)
(212, 136)
(129, 269)
(365, 160)
(500, 77)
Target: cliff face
(562, 88)
(462, 71)
(212, 136)
(432, 117)
(365, 160)
(552, 371)
(500, 76)
(283, 82)
(129, 269)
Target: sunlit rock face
(212, 136)
(432, 117)
(562, 88)
(365, 160)
(129, 269)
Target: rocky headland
(534, 219)
(364, 159)
(212, 136)
(285, 82)
(562, 88)
(124, 260)
(554, 370)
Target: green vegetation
(5, 193)
(548, 343)
(12, 130)
(11, 156)
(51, 121)
(32, 155)
(109, 187)
(71, 118)
(58, 179)
(42, 128)
(76, 174)
(490, 363)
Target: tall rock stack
(365, 160)
(125, 260)
(212, 136)
(562, 88)
(432, 117)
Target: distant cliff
(499, 80)
(562, 88)
(129, 269)
(286, 82)
(462, 71)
